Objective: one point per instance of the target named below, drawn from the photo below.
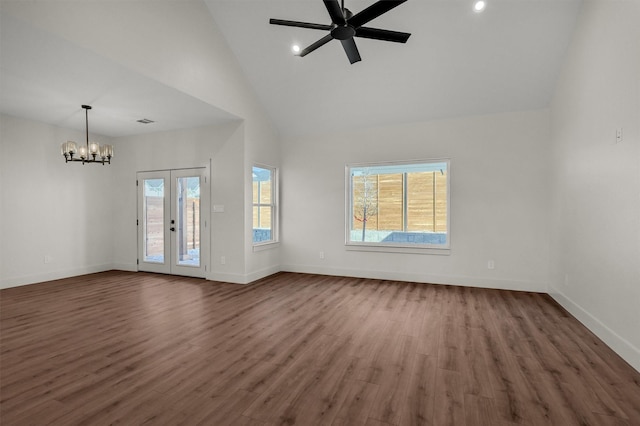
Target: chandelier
(91, 152)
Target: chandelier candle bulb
(93, 148)
(82, 151)
(69, 148)
(106, 151)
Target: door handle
(172, 229)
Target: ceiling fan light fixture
(479, 6)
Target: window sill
(399, 249)
(266, 246)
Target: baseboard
(618, 344)
(460, 280)
(227, 278)
(129, 267)
(262, 273)
(53, 275)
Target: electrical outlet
(619, 135)
(48, 258)
(491, 264)
(321, 255)
(223, 260)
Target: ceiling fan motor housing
(343, 32)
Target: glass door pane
(189, 236)
(188, 221)
(153, 220)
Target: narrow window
(401, 204)
(264, 205)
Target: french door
(173, 236)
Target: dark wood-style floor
(137, 348)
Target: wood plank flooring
(137, 348)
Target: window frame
(394, 247)
(275, 239)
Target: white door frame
(168, 262)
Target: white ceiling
(456, 63)
(46, 78)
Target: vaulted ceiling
(457, 62)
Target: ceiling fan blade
(300, 24)
(386, 35)
(373, 11)
(324, 40)
(335, 11)
(351, 50)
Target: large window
(264, 205)
(401, 204)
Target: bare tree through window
(365, 199)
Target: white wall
(50, 208)
(499, 200)
(179, 45)
(219, 147)
(259, 150)
(230, 156)
(83, 217)
(595, 265)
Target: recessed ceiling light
(295, 49)
(479, 6)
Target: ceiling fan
(345, 26)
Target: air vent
(146, 121)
